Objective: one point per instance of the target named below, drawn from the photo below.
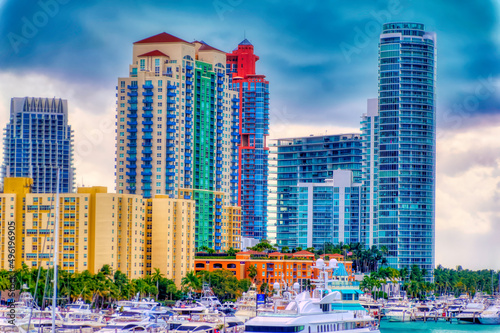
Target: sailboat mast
(56, 252)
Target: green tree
(157, 276)
(252, 272)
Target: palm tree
(252, 272)
(191, 281)
(157, 276)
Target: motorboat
(491, 316)
(401, 313)
(471, 313)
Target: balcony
(189, 67)
(131, 188)
(131, 173)
(171, 94)
(147, 173)
(132, 108)
(147, 137)
(131, 159)
(147, 122)
(132, 115)
(189, 82)
(147, 151)
(171, 86)
(130, 87)
(147, 86)
(189, 75)
(220, 74)
(147, 115)
(147, 93)
(146, 188)
(146, 166)
(132, 123)
(131, 166)
(146, 159)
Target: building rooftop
(245, 42)
(206, 47)
(154, 53)
(162, 38)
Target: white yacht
(78, 306)
(470, 315)
(189, 307)
(402, 312)
(142, 307)
(331, 307)
(491, 316)
(426, 312)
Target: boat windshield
(193, 328)
(255, 328)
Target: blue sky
(321, 60)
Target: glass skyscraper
(394, 160)
(38, 142)
(313, 160)
(407, 144)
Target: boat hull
(490, 320)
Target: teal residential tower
(407, 144)
(393, 178)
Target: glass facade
(310, 160)
(329, 212)
(38, 141)
(406, 148)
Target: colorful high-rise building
(406, 169)
(38, 142)
(177, 129)
(253, 153)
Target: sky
(321, 60)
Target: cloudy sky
(321, 60)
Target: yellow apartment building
(126, 231)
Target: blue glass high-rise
(38, 141)
(407, 144)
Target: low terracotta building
(284, 268)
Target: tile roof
(154, 53)
(161, 38)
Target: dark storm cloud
(320, 57)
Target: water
(433, 327)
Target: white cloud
(467, 197)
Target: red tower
(253, 129)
